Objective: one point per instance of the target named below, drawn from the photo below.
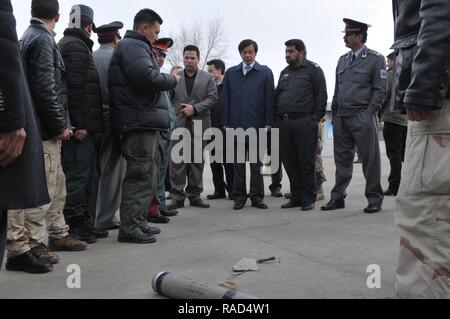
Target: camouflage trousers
(423, 210)
(26, 227)
(320, 172)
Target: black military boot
(80, 230)
(97, 232)
(29, 263)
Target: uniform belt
(293, 116)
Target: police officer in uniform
(300, 104)
(360, 90)
(112, 165)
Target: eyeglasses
(160, 53)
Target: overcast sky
(269, 22)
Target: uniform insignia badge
(384, 74)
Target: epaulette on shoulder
(313, 64)
(344, 56)
(372, 52)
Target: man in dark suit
(247, 103)
(217, 69)
(194, 98)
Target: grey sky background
(269, 22)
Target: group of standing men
(73, 92)
(248, 100)
(92, 109)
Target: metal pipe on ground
(173, 286)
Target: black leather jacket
(422, 43)
(45, 72)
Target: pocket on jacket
(340, 76)
(360, 76)
(302, 81)
(283, 84)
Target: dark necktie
(353, 58)
(248, 68)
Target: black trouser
(395, 138)
(298, 154)
(218, 172)
(256, 180)
(167, 179)
(3, 230)
(278, 175)
(218, 177)
(90, 201)
(80, 167)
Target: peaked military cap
(109, 29)
(355, 26)
(163, 44)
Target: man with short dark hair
(112, 164)
(79, 154)
(360, 91)
(195, 97)
(300, 105)
(135, 80)
(217, 68)
(247, 102)
(395, 130)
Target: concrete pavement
(322, 255)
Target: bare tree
(210, 40)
